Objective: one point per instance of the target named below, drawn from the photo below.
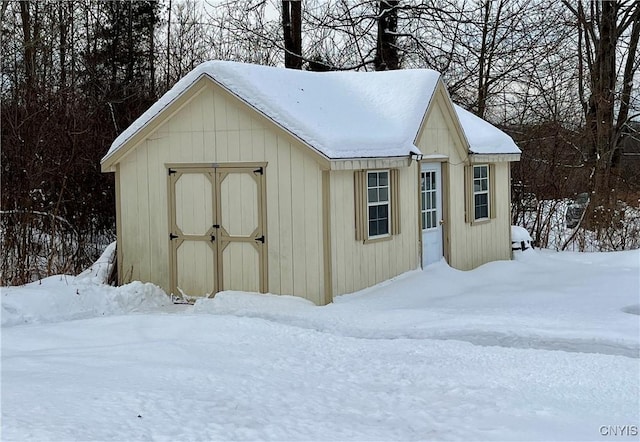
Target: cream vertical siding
(356, 265)
(469, 245)
(476, 244)
(214, 127)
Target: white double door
(431, 212)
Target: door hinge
(172, 236)
(260, 239)
(171, 171)
(260, 171)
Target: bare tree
(187, 44)
(606, 30)
(245, 30)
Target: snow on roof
(341, 114)
(483, 137)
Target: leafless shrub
(35, 245)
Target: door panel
(239, 204)
(241, 267)
(194, 203)
(196, 261)
(431, 212)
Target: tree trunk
(627, 83)
(167, 83)
(386, 50)
(152, 65)
(29, 47)
(63, 46)
(292, 27)
(600, 115)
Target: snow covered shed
(254, 178)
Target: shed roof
(483, 137)
(340, 114)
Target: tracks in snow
(535, 340)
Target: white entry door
(431, 212)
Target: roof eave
(493, 157)
(370, 163)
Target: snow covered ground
(546, 347)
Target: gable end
(191, 92)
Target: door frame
(444, 192)
(216, 172)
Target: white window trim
(481, 192)
(387, 203)
(423, 210)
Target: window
(428, 193)
(481, 207)
(378, 203)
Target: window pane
(383, 178)
(480, 171)
(423, 182)
(485, 184)
(384, 194)
(379, 220)
(433, 180)
(379, 227)
(424, 200)
(481, 206)
(373, 228)
(481, 212)
(383, 227)
(477, 187)
(372, 179)
(424, 220)
(433, 200)
(434, 221)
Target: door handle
(441, 222)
